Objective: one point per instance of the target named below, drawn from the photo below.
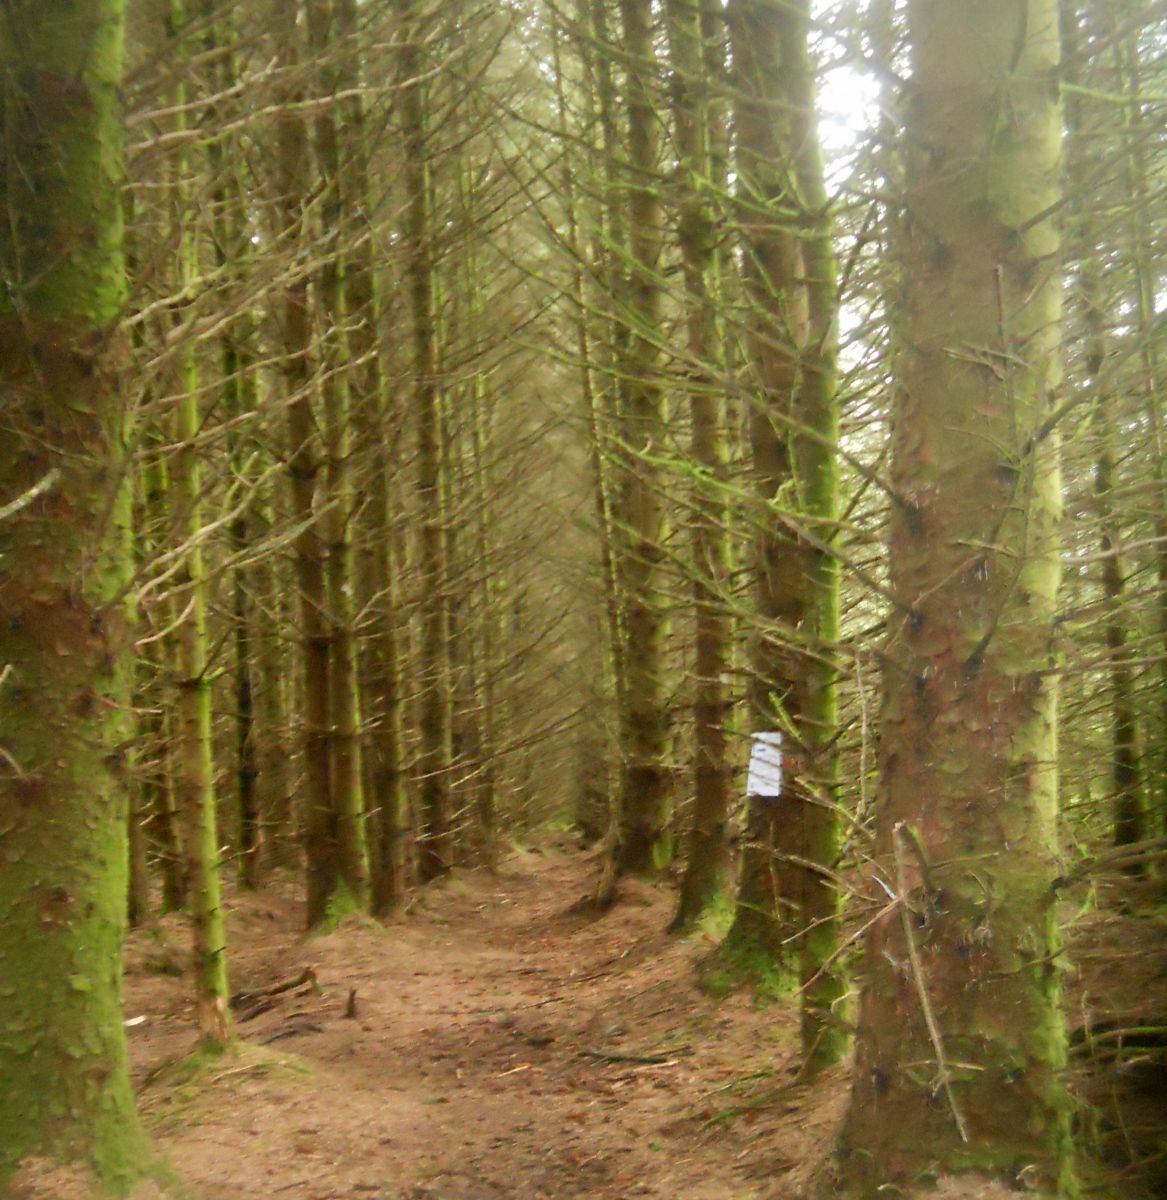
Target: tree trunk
(764, 927)
(707, 865)
(352, 881)
(65, 641)
(322, 866)
(232, 257)
(156, 720)
(380, 674)
(484, 665)
(435, 840)
(960, 1045)
(593, 808)
(273, 750)
(195, 769)
(815, 436)
(645, 840)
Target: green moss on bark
(64, 1086)
(960, 1045)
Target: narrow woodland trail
(502, 1046)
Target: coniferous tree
(195, 798)
(960, 1044)
(347, 822)
(303, 461)
(644, 842)
(65, 641)
(706, 867)
(435, 838)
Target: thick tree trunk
(386, 750)
(788, 902)
(764, 926)
(65, 642)
(961, 1044)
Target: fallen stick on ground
(604, 1056)
(307, 975)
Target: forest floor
(503, 1046)
(496, 1043)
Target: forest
(583, 599)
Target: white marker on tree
(765, 773)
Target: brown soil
(503, 1046)
(497, 1044)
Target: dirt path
(502, 1048)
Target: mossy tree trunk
(65, 638)
(774, 273)
(194, 765)
(707, 864)
(961, 1045)
(815, 436)
(787, 908)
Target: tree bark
(593, 809)
(815, 436)
(322, 866)
(961, 1043)
(381, 669)
(435, 840)
(238, 383)
(352, 883)
(707, 865)
(645, 839)
(194, 767)
(764, 927)
(65, 638)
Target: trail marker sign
(765, 773)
